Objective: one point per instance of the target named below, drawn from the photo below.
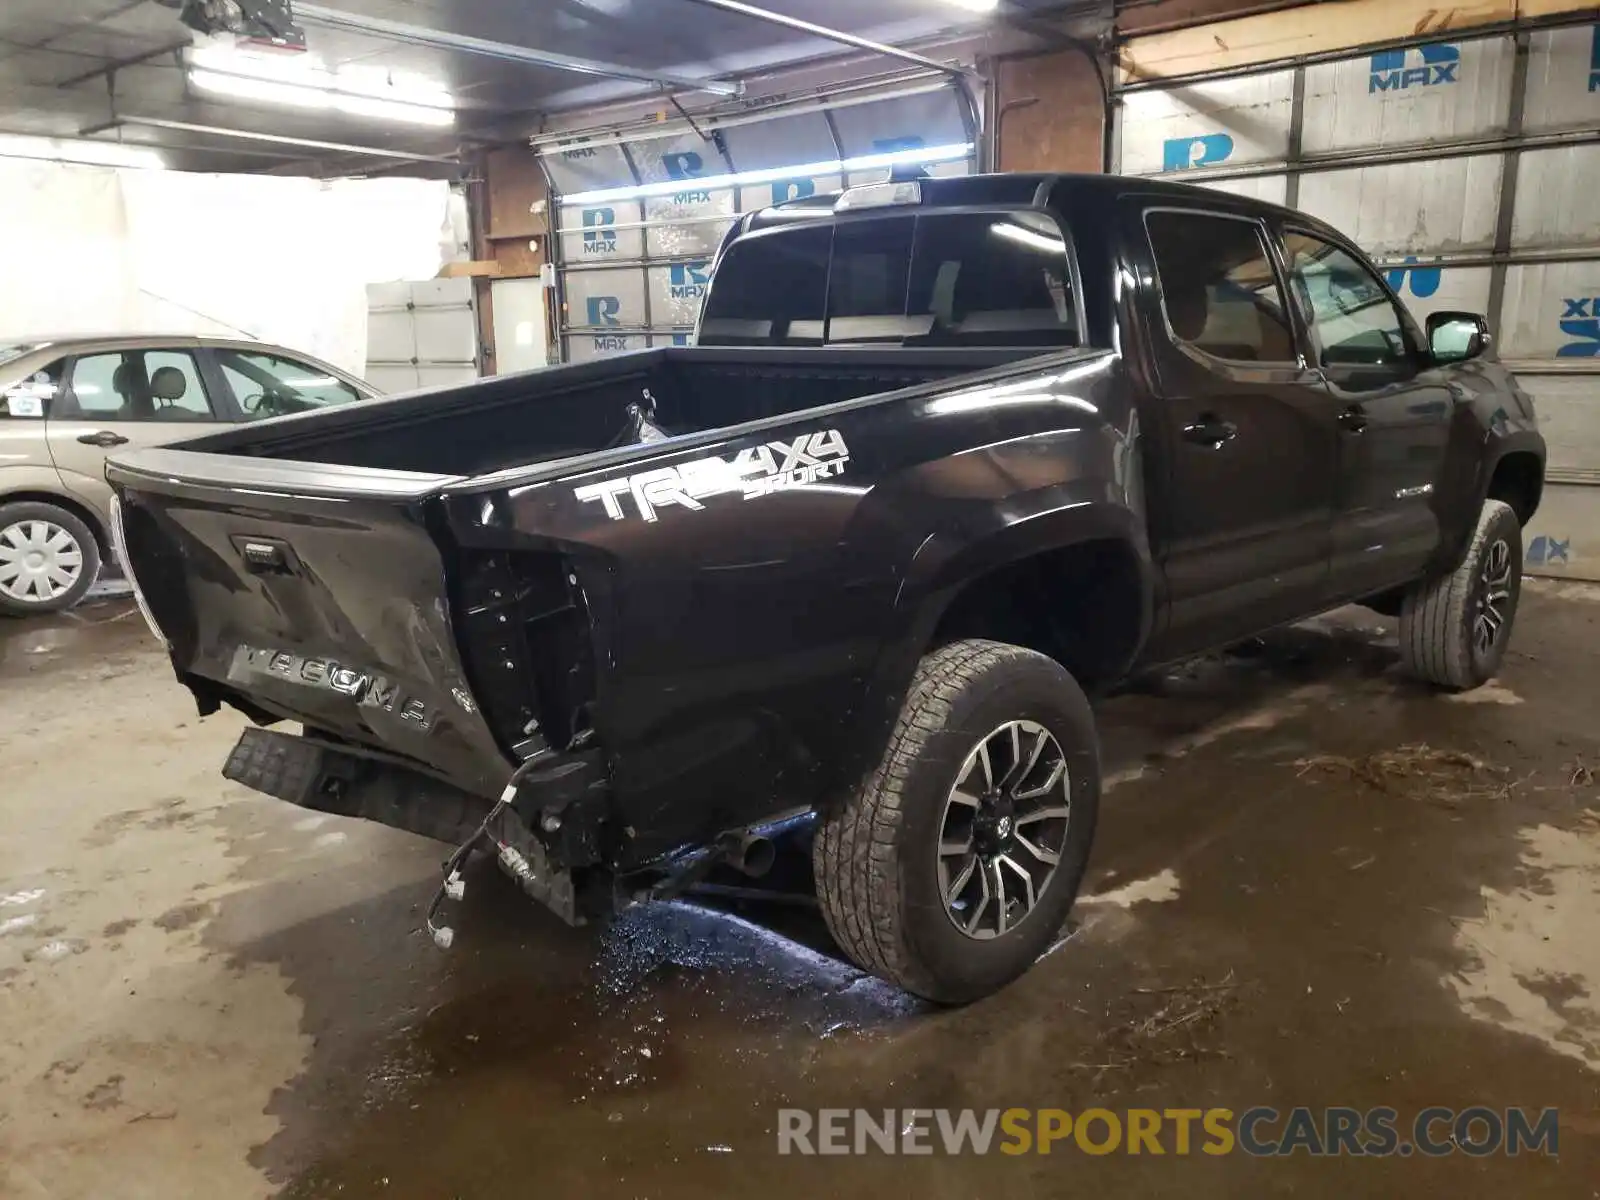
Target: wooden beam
(1313, 29)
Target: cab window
(1219, 293)
(998, 279)
(1355, 320)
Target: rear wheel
(1454, 630)
(951, 869)
(48, 558)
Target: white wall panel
(676, 292)
(1399, 97)
(683, 158)
(696, 237)
(605, 298)
(586, 347)
(1401, 208)
(784, 142)
(1558, 196)
(798, 187)
(1232, 121)
(1563, 539)
(1552, 310)
(1569, 417)
(1427, 288)
(1271, 188)
(1563, 79)
(589, 233)
(929, 119)
(587, 168)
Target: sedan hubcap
(39, 561)
(1004, 829)
(1494, 604)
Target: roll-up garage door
(640, 216)
(1470, 169)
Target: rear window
(31, 396)
(954, 279)
(11, 351)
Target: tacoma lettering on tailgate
(368, 689)
(754, 472)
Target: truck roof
(1021, 188)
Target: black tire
(83, 540)
(877, 856)
(1440, 639)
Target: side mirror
(1457, 336)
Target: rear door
(134, 397)
(1245, 474)
(1394, 408)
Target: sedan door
(133, 397)
(1394, 409)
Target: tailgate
(316, 592)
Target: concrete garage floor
(206, 993)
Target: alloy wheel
(1004, 829)
(1493, 605)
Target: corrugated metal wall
(633, 270)
(1470, 168)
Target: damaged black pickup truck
(949, 454)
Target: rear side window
(1219, 292)
(771, 289)
(867, 282)
(959, 279)
(136, 385)
(31, 396)
(993, 280)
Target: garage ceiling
(73, 66)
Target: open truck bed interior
(544, 416)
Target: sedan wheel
(48, 558)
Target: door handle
(1352, 419)
(1210, 430)
(103, 438)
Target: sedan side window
(137, 385)
(1356, 321)
(34, 395)
(1219, 291)
(269, 385)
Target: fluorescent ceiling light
(868, 162)
(78, 150)
(305, 83)
(271, 92)
(980, 6)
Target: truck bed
(566, 412)
(438, 557)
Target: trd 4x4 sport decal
(755, 471)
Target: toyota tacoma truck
(949, 454)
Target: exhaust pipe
(752, 855)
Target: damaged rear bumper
(547, 838)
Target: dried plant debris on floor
(1158, 1026)
(1419, 771)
